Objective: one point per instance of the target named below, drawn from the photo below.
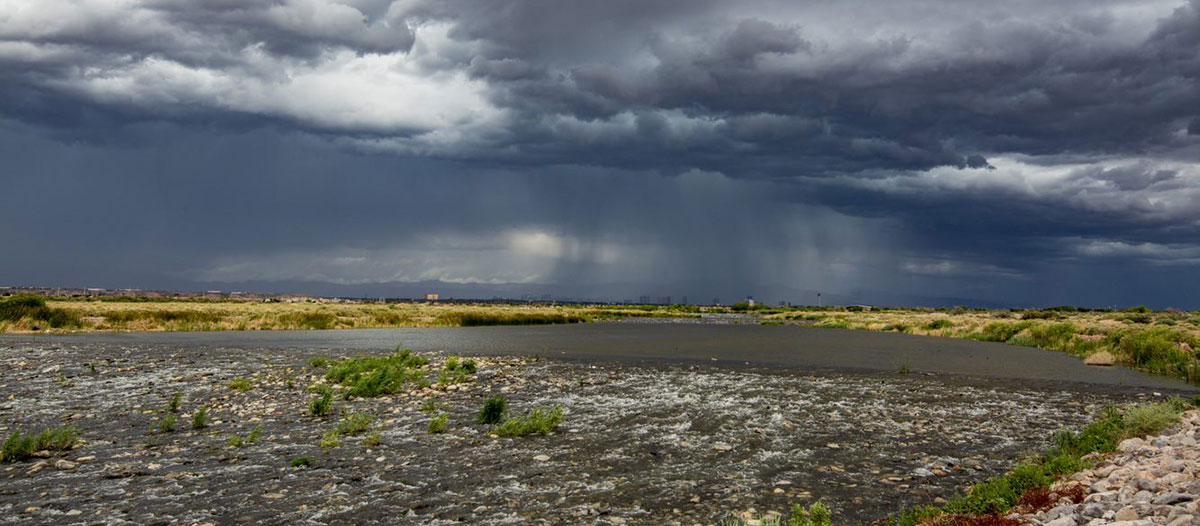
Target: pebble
(542, 458)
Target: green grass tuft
(373, 376)
(493, 410)
(539, 421)
(21, 445)
(240, 384)
(200, 418)
(323, 403)
(439, 423)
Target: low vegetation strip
(1030, 483)
(479, 319)
(1164, 342)
(21, 445)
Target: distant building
(431, 296)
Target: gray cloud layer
(1014, 152)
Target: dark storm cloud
(1001, 141)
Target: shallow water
(641, 443)
(796, 348)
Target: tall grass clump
(309, 320)
(816, 515)
(373, 376)
(321, 405)
(940, 323)
(21, 445)
(1157, 350)
(439, 424)
(493, 410)
(479, 319)
(1000, 331)
(34, 308)
(200, 418)
(540, 421)
(354, 424)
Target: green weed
(21, 445)
(537, 421)
(493, 410)
(372, 376)
(200, 418)
(439, 423)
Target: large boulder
(1100, 358)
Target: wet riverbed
(640, 443)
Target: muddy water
(641, 443)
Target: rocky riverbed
(1150, 482)
(639, 443)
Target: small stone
(1182, 520)
(480, 509)
(72, 513)
(1131, 444)
(32, 509)
(1102, 358)
(1126, 514)
(722, 446)
(1173, 498)
(64, 464)
(542, 458)
(88, 458)
(272, 495)
(1062, 521)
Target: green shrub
(33, 307)
(318, 362)
(321, 405)
(373, 439)
(372, 376)
(330, 439)
(20, 445)
(354, 423)
(301, 462)
(1023, 339)
(200, 418)
(240, 384)
(1149, 419)
(816, 515)
(173, 403)
(493, 410)
(1054, 336)
(537, 421)
(897, 327)
(167, 424)
(940, 323)
(1155, 350)
(237, 441)
(439, 423)
(1000, 331)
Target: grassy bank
(1163, 342)
(1029, 483)
(29, 314)
(1027, 487)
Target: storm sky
(1013, 152)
